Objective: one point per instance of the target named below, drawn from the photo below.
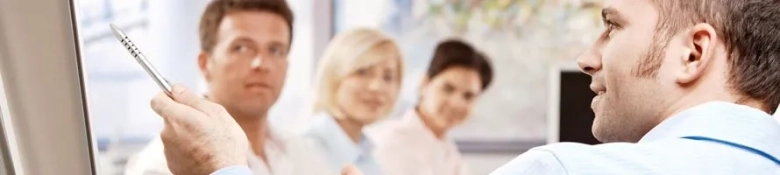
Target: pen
(158, 78)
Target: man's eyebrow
(611, 14)
(243, 39)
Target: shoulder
(582, 155)
(304, 152)
(392, 141)
(564, 158)
(534, 161)
(388, 132)
(295, 142)
(151, 160)
(662, 157)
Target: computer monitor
(569, 115)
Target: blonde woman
(358, 81)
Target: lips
(594, 103)
(600, 90)
(257, 86)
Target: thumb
(350, 169)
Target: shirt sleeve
(533, 161)
(233, 170)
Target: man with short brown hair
(687, 86)
(244, 49)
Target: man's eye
(277, 52)
(611, 27)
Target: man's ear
(204, 64)
(698, 54)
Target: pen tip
(117, 33)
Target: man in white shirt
(684, 87)
(244, 46)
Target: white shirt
(777, 114)
(408, 147)
(286, 156)
(664, 151)
(339, 148)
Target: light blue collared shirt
(663, 150)
(233, 170)
(339, 148)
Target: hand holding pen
(199, 136)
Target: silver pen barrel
(141, 59)
(159, 79)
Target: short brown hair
(217, 9)
(455, 53)
(751, 32)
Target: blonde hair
(345, 54)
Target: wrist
(224, 162)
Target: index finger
(189, 98)
(172, 110)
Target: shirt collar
(337, 142)
(276, 155)
(724, 121)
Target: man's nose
(590, 61)
(258, 64)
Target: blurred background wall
(524, 38)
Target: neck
(439, 132)
(255, 126)
(257, 132)
(353, 128)
(256, 129)
(695, 98)
(712, 86)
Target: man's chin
(596, 132)
(254, 108)
(598, 129)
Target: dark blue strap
(736, 145)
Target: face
(247, 67)
(448, 98)
(370, 92)
(629, 70)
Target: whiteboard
(44, 123)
